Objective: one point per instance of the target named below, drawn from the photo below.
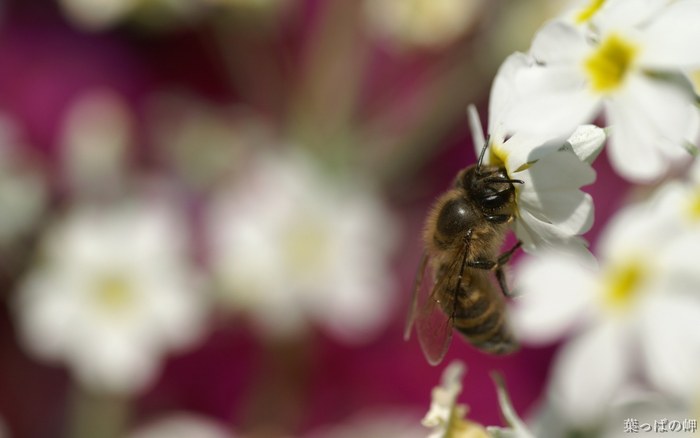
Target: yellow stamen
(623, 282)
(497, 155)
(610, 63)
(113, 293)
(307, 247)
(693, 208)
(588, 12)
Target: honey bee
(462, 237)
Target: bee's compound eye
(454, 217)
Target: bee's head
(489, 187)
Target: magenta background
(45, 64)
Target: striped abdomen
(480, 316)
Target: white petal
(637, 230)
(551, 191)
(671, 38)
(538, 236)
(503, 92)
(478, 139)
(557, 292)
(586, 142)
(558, 42)
(552, 100)
(626, 14)
(650, 119)
(588, 372)
(671, 341)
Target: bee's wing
(433, 325)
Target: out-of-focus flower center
(622, 283)
(590, 10)
(609, 64)
(695, 79)
(693, 209)
(306, 247)
(114, 293)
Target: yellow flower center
(114, 293)
(609, 64)
(622, 283)
(693, 207)
(695, 79)
(307, 247)
(588, 12)
(497, 155)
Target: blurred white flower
(445, 416)
(628, 414)
(112, 291)
(448, 419)
(202, 142)
(422, 23)
(23, 190)
(630, 61)
(551, 208)
(97, 136)
(636, 313)
(183, 425)
(290, 245)
(517, 428)
(96, 15)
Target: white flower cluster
(116, 284)
(288, 248)
(635, 314)
(447, 418)
(628, 58)
(631, 316)
(113, 292)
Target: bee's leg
(500, 273)
(503, 258)
(503, 180)
(482, 264)
(499, 218)
(501, 277)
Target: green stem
(97, 415)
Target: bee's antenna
(482, 154)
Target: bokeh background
(348, 113)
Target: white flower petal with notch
(555, 294)
(589, 370)
(671, 342)
(670, 39)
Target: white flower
(636, 313)
(96, 15)
(290, 246)
(627, 414)
(447, 418)
(422, 23)
(551, 208)
(23, 191)
(204, 143)
(183, 425)
(517, 428)
(629, 59)
(111, 293)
